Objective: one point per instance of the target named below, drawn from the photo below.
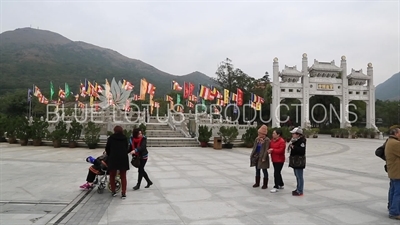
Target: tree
(230, 78)
(15, 103)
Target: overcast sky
(180, 37)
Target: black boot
(149, 184)
(136, 187)
(265, 184)
(257, 184)
(146, 177)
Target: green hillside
(390, 89)
(31, 56)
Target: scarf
(260, 140)
(136, 142)
(293, 140)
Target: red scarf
(136, 142)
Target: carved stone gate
(323, 78)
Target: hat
(263, 130)
(296, 130)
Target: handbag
(297, 161)
(135, 161)
(254, 159)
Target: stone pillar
(370, 107)
(344, 102)
(306, 95)
(276, 96)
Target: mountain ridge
(390, 89)
(49, 56)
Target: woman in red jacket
(277, 148)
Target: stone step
(166, 135)
(159, 128)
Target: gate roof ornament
(290, 74)
(357, 77)
(325, 66)
(325, 69)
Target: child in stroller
(97, 174)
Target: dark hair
(278, 132)
(118, 130)
(135, 132)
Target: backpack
(380, 151)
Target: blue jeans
(394, 197)
(300, 180)
(258, 172)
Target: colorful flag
(168, 98)
(193, 98)
(30, 95)
(239, 97)
(127, 85)
(37, 92)
(191, 88)
(143, 89)
(136, 97)
(61, 93)
(83, 90)
(43, 100)
(205, 93)
(151, 89)
(178, 99)
(67, 91)
(258, 106)
(185, 90)
(189, 104)
(51, 90)
(226, 96)
(175, 86)
(233, 97)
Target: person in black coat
(118, 159)
(138, 147)
(297, 158)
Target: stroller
(99, 168)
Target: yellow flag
(226, 96)
(258, 106)
(143, 89)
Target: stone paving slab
(345, 183)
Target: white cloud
(180, 38)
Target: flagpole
(30, 103)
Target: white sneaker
(274, 190)
(281, 187)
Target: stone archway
(323, 78)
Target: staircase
(161, 135)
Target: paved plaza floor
(345, 183)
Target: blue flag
(30, 93)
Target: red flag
(151, 89)
(191, 89)
(239, 97)
(186, 90)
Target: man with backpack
(392, 155)
(380, 152)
